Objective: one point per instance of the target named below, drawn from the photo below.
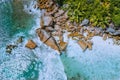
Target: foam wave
(102, 63)
(42, 63)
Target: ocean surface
(20, 18)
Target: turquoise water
(18, 18)
(13, 19)
(102, 63)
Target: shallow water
(102, 63)
(19, 18)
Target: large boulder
(31, 44)
(47, 39)
(82, 44)
(48, 20)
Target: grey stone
(84, 22)
(117, 33)
(110, 30)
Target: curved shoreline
(56, 23)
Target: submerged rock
(31, 44)
(20, 40)
(9, 51)
(9, 48)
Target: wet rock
(87, 38)
(84, 22)
(9, 48)
(82, 44)
(41, 22)
(117, 33)
(109, 36)
(62, 45)
(89, 44)
(81, 36)
(105, 37)
(116, 38)
(110, 30)
(31, 44)
(9, 51)
(90, 35)
(47, 39)
(20, 40)
(75, 34)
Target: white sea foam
(101, 63)
(42, 63)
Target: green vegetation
(99, 12)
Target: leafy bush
(99, 12)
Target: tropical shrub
(99, 12)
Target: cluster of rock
(10, 47)
(55, 22)
(52, 23)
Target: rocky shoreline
(55, 23)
